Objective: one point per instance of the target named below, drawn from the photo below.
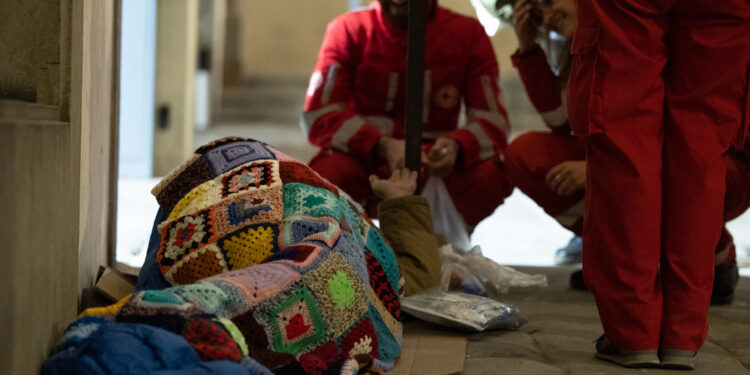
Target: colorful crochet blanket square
(257, 237)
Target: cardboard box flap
(430, 349)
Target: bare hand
(442, 156)
(392, 151)
(567, 177)
(560, 16)
(402, 182)
(524, 25)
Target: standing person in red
(550, 167)
(661, 93)
(354, 109)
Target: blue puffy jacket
(94, 345)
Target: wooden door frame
(115, 136)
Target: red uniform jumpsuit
(661, 91)
(357, 94)
(529, 157)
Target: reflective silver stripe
(489, 94)
(330, 81)
(426, 96)
(382, 123)
(557, 116)
(495, 118)
(493, 113)
(486, 147)
(346, 131)
(392, 90)
(316, 80)
(309, 117)
(572, 214)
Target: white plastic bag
(462, 311)
(445, 217)
(473, 267)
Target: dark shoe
(572, 252)
(726, 277)
(576, 281)
(676, 359)
(626, 358)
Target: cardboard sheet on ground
(114, 284)
(429, 349)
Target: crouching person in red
(354, 109)
(550, 167)
(660, 90)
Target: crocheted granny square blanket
(254, 236)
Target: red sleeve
(328, 121)
(487, 126)
(543, 88)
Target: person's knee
(476, 191)
(519, 152)
(343, 171)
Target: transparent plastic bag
(445, 217)
(462, 311)
(474, 268)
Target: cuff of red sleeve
(469, 153)
(518, 57)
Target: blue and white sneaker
(572, 253)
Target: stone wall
(30, 74)
(57, 92)
(282, 38)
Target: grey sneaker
(626, 358)
(677, 359)
(571, 253)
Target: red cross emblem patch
(446, 96)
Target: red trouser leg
(621, 234)
(528, 159)
(478, 190)
(706, 95)
(694, 183)
(616, 80)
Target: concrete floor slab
(508, 344)
(509, 366)
(563, 323)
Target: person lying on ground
(258, 261)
